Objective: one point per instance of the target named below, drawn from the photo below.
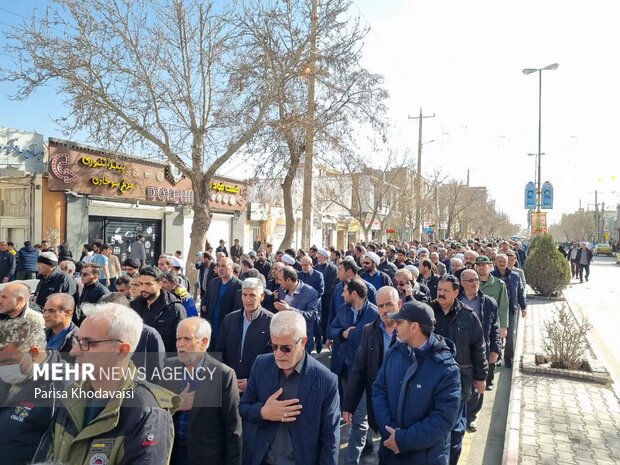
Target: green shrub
(546, 270)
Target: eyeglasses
(283, 348)
(402, 283)
(86, 343)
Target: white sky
(462, 60)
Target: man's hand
(5, 280)
(242, 385)
(346, 332)
(330, 344)
(390, 442)
(285, 411)
(493, 357)
(408, 289)
(281, 305)
(503, 332)
(524, 312)
(348, 417)
(188, 399)
(480, 386)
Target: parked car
(603, 249)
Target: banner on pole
(539, 223)
(530, 195)
(547, 196)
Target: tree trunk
(287, 196)
(200, 225)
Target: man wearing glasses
(115, 417)
(485, 308)
(293, 401)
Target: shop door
(120, 233)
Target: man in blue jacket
(293, 401)
(346, 332)
(417, 393)
(516, 300)
(299, 297)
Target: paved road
(598, 300)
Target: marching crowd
(415, 331)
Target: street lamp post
(530, 71)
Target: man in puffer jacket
(27, 262)
(417, 393)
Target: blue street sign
(530, 195)
(547, 196)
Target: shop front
(115, 198)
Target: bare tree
(364, 192)
(347, 95)
(188, 81)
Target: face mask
(12, 374)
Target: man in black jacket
(485, 308)
(220, 296)
(244, 334)
(377, 338)
(24, 416)
(7, 263)
(460, 324)
(158, 308)
(52, 280)
(207, 424)
(92, 291)
(330, 276)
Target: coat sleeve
(502, 305)
(438, 423)
(521, 294)
(330, 424)
(477, 347)
(380, 401)
(321, 289)
(357, 377)
(232, 419)
(250, 405)
(156, 451)
(220, 345)
(310, 310)
(494, 342)
(335, 328)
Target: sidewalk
(562, 421)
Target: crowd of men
(415, 332)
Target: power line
(13, 13)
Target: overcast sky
(462, 61)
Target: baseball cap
(417, 312)
(483, 259)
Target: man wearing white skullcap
(371, 274)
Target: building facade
(93, 194)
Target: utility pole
(418, 179)
(306, 232)
(596, 217)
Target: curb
(513, 422)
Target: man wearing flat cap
(52, 280)
(417, 393)
(371, 273)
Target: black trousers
(581, 268)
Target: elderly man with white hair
(115, 417)
(207, 425)
(24, 415)
(293, 400)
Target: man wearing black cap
(131, 267)
(52, 280)
(460, 324)
(417, 393)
